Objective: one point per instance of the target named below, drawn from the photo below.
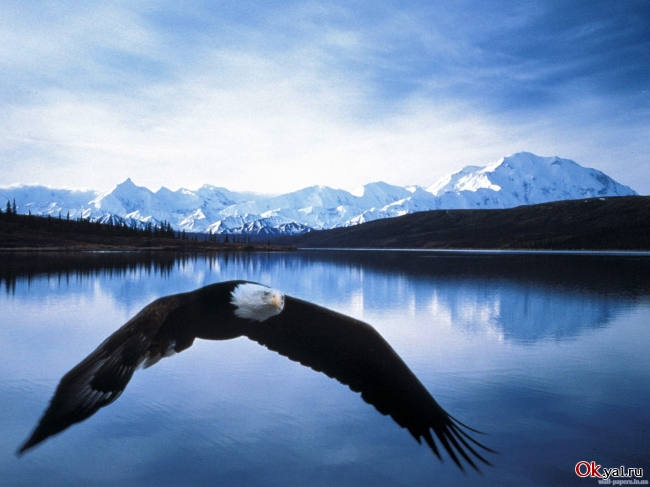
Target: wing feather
(102, 376)
(355, 354)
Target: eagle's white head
(256, 302)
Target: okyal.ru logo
(615, 475)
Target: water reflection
(62, 266)
(546, 353)
(522, 297)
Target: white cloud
(103, 94)
(272, 133)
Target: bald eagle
(341, 347)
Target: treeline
(237, 238)
(84, 226)
(112, 228)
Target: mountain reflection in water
(514, 294)
(546, 353)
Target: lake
(545, 353)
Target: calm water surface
(548, 354)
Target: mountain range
(519, 179)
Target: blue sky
(276, 96)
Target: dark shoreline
(26, 233)
(606, 224)
(615, 223)
(175, 249)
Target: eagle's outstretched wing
(101, 377)
(346, 349)
(356, 355)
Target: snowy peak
(562, 178)
(127, 198)
(380, 194)
(126, 185)
(470, 178)
(521, 179)
(517, 179)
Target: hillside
(21, 232)
(617, 223)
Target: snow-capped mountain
(518, 179)
(523, 179)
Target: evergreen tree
(14, 210)
(8, 212)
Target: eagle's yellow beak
(277, 300)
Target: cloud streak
(273, 99)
